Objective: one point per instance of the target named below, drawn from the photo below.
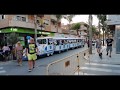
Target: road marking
(3, 71)
(100, 69)
(96, 64)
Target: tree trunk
(77, 33)
(90, 34)
(99, 28)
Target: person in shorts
(109, 42)
(31, 53)
(99, 46)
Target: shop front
(23, 33)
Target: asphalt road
(11, 68)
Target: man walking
(31, 53)
(109, 42)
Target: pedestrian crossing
(2, 71)
(99, 69)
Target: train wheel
(59, 51)
(51, 54)
(48, 54)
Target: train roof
(56, 38)
(43, 37)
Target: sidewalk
(115, 59)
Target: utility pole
(35, 23)
(90, 34)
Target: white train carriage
(72, 43)
(61, 44)
(45, 46)
(58, 47)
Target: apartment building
(24, 25)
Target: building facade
(113, 21)
(24, 25)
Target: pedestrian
(88, 43)
(19, 53)
(109, 42)
(98, 47)
(6, 51)
(31, 53)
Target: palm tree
(59, 17)
(76, 27)
(102, 19)
(69, 18)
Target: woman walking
(19, 53)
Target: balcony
(83, 28)
(53, 17)
(83, 33)
(53, 28)
(65, 31)
(59, 30)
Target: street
(11, 68)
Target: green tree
(12, 38)
(94, 30)
(102, 18)
(76, 27)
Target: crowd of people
(99, 46)
(20, 52)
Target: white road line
(100, 69)
(108, 65)
(3, 71)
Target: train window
(50, 41)
(58, 42)
(41, 41)
(62, 41)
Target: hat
(18, 42)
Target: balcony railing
(53, 17)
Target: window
(2, 16)
(24, 19)
(50, 41)
(21, 18)
(41, 41)
(18, 18)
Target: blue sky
(81, 18)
